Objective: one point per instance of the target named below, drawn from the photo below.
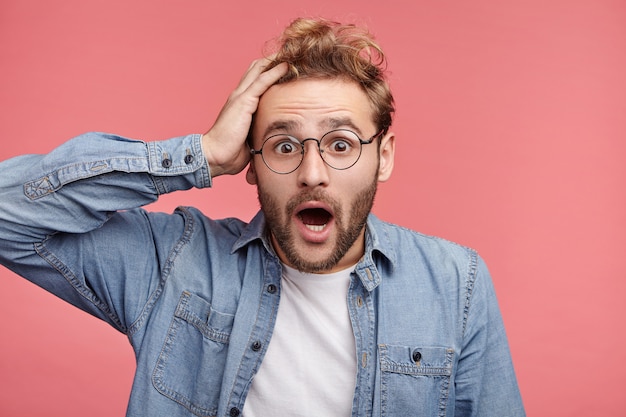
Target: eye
(285, 148)
(340, 142)
(340, 146)
(284, 145)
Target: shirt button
(271, 288)
(417, 356)
(166, 163)
(256, 346)
(188, 159)
(234, 412)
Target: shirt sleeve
(486, 384)
(70, 220)
(75, 187)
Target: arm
(68, 201)
(485, 381)
(76, 187)
(59, 226)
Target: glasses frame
(319, 149)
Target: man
(314, 308)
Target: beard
(348, 227)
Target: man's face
(316, 214)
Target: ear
(251, 173)
(386, 156)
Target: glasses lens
(340, 148)
(282, 153)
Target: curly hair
(318, 48)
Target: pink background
(511, 129)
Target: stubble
(279, 224)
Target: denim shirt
(198, 297)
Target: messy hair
(318, 48)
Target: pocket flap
(416, 360)
(199, 313)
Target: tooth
(315, 228)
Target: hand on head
(224, 144)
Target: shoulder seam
(469, 286)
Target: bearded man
(315, 307)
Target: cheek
(353, 180)
(275, 188)
(348, 192)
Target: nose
(313, 171)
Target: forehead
(313, 106)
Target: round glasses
(340, 149)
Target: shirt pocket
(415, 380)
(190, 367)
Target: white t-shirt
(309, 368)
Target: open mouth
(315, 219)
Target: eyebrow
(330, 124)
(280, 125)
(341, 122)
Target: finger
(266, 79)
(254, 70)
